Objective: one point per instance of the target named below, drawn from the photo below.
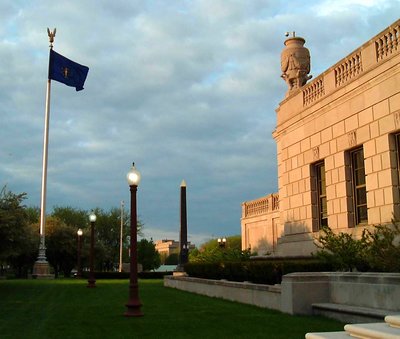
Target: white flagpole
(42, 246)
(41, 267)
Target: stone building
(166, 247)
(338, 142)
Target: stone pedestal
(41, 270)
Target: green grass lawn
(68, 309)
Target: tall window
(359, 187)
(318, 171)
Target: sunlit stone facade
(338, 140)
(167, 247)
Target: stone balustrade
(348, 69)
(314, 91)
(366, 57)
(388, 42)
(262, 205)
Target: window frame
(319, 190)
(359, 188)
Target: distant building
(338, 147)
(167, 247)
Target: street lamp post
(133, 305)
(91, 280)
(120, 237)
(79, 270)
(222, 242)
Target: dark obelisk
(183, 243)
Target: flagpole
(42, 248)
(41, 267)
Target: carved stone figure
(295, 63)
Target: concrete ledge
(366, 296)
(267, 296)
(348, 297)
(301, 290)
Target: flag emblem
(67, 71)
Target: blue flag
(67, 71)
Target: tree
(148, 256)
(33, 215)
(18, 241)
(172, 259)
(232, 242)
(107, 230)
(107, 233)
(61, 243)
(211, 252)
(12, 222)
(70, 216)
(26, 251)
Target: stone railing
(262, 205)
(367, 56)
(314, 91)
(348, 69)
(388, 43)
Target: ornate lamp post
(79, 271)
(120, 237)
(222, 242)
(91, 280)
(134, 304)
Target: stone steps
(393, 320)
(350, 314)
(390, 329)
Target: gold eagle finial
(51, 35)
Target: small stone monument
(295, 63)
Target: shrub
(376, 250)
(340, 250)
(382, 248)
(261, 272)
(219, 255)
(204, 270)
(125, 275)
(265, 272)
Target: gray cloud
(186, 89)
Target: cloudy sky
(187, 89)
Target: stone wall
(260, 224)
(255, 294)
(351, 297)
